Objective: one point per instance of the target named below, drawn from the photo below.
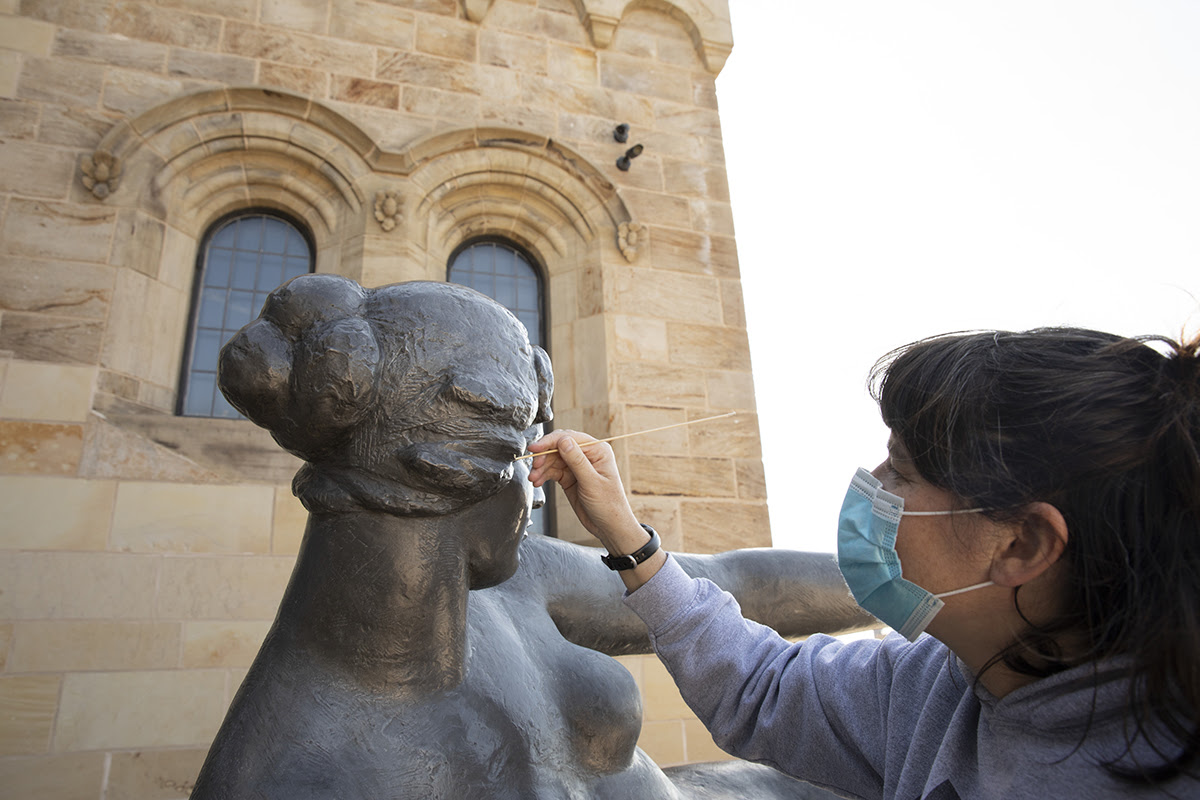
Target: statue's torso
(534, 717)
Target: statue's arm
(793, 592)
(796, 593)
(583, 596)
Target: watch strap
(631, 560)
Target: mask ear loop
(965, 589)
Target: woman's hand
(589, 477)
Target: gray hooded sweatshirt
(888, 719)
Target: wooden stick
(635, 433)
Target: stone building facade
(143, 551)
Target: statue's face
(496, 525)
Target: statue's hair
(1106, 429)
(412, 398)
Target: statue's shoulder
(549, 566)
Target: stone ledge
(230, 451)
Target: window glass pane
(270, 272)
(294, 267)
(249, 233)
(296, 246)
(275, 236)
(212, 308)
(239, 309)
(527, 294)
(225, 238)
(216, 272)
(484, 258)
(504, 262)
(208, 344)
(200, 394)
(245, 265)
(506, 292)
(480, 283)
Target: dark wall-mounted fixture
(630, 154)
(621, 133)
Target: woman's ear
(1030, 545)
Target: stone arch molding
(492, 181)
(706, 21)
(215, 150)
(212, 151)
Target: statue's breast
(601, 706)
(575, 706)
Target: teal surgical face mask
(868, 560)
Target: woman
(422, 649)
(1042, 491)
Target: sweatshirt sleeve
(815, 710)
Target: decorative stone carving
(101, 173)
(476, 10)
(387, 209)
(629, 236)
(602, 28)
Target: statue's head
(412, 399)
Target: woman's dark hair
(1106, 429)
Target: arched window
(242, 259)
(504, 273)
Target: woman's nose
(539, 497)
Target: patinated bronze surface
(426, 647)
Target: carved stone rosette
(387, 209)
(629, 236)
(101, 173)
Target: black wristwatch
(638, 556)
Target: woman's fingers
(551, 440)
(552, 466)
(578, 461)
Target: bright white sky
(900, 169)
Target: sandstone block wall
(142, 554)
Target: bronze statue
(426, 647)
